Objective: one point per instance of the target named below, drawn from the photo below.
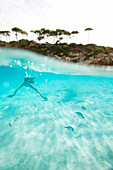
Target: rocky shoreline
(77, 53)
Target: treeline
(43, 34)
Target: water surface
(73, 129)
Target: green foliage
(80, 45)
(88, 29)
(52, 33)
(15, 29)
(24, 32)
(41, 51)
(42, 31)
(67, 33)
(59, 49)
(47, 32)
(73, 45)
(74, 32)
(13, 43)
(66, 48)
(89, 49)
(1, 32)
(18, 30)
(59, 32)
(107, 51)
(5, 33)
(40, 38)
(88, 56)
(61, 38)
(32, 31)
(98, 50)
(92, 45)
(24, 43)
(37, 32)
(58, 42)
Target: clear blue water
(73, 130)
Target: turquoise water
(72, 130)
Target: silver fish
(80, 115)
(83, 108)
(70, 128)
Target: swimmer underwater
(28, 82)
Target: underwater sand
(73, 130)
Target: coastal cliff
(77, 53)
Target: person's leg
(34, 88)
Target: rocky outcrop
(78, 53)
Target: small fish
(80, 115)
(18, 117)
(34, 105)
(83, 108)
(70, 128)
(10, 124)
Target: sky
(71, 15)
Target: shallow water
(73, 129)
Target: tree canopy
(18, 30)
(88, 29)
